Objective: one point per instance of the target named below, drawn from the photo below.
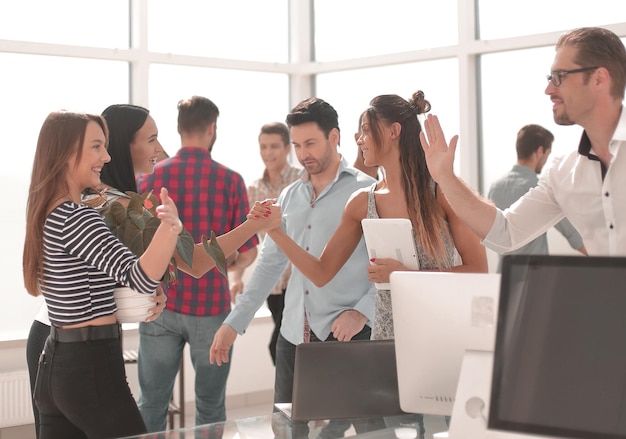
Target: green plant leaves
(114, 216)
(185, 246)
(136, 225)
(213, 249)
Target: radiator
(15, 402)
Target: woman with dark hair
(73, 259)
(390, 140)
(131, 130)
(134, 149)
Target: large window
(32, 88)
(349, 29)
(246, 101)
(349, 93)
(93, 23)
(242, 29)
(505, 19)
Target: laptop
(344, 380)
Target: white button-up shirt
(577, 186)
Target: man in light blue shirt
(533, 145)
(312, 207)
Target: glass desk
(277, 425)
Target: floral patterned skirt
(383, 321)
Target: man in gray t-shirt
(534, 144)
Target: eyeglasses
(557, 76)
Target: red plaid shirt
(209, 197)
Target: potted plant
(135, 225)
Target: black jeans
(81, 391)
(276, 304)
(34, 347)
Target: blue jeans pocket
(154, 328)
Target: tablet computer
(390, 238)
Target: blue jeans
(161, 345)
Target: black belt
(86, 333)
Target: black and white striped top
(83, 261)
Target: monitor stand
(471, 404)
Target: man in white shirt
(533, 146)
(586, 86)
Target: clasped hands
(267, 211)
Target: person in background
(390, 139)
(275, 147)
(533, 146)
(211, 197)
(588, 186)
(81, 367)
(342, 310)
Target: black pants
(37, 336)
(276, 304)
(81, 391)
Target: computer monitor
(437, 317)
(559, 366)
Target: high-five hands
(439, 155)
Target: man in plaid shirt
(209, 197)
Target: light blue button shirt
(510, 188)
(310, 225)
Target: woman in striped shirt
(73, 259)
